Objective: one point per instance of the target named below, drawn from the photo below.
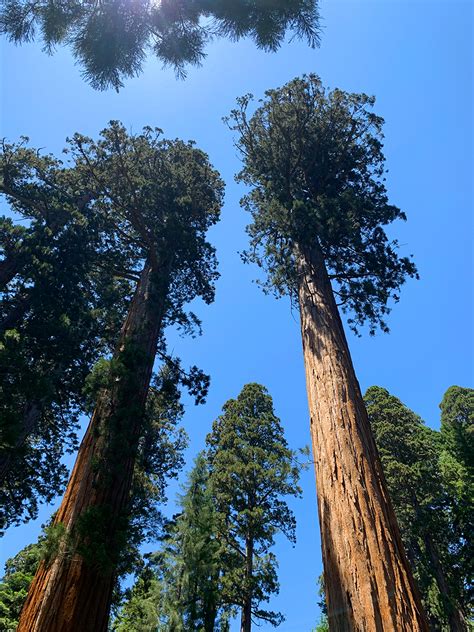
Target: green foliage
(313, 159)
(457, 467)
(160, 198)
(323, 625)
(252, 469)
(111, 40)
(231, 511)
(411, 454)
(191, 557)
(142, 606)
(58, 313)
(179, 588)
(70, 274)
(19, 573)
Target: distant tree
(142, 606)
(313, 160)
(192, 561)
(162, 197)
(323, 625)
(457, 466)
(410, 454)
(252, 470)
(58, 313)
(14, 585)
(111, 40)
(180, 587)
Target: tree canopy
(313, 159)
(111, 39)
(412, 455)
(60, 309)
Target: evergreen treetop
(252, 470)
(313, 159)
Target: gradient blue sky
(416, 57)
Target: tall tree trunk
(73, 593)
(369, 585)
(246, 617)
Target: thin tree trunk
(369, 585)
(73, 593)
(457, 622)
(246, 617)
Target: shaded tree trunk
(369, 585)
(246, 617)
(457, 622)
(210, 611)
(73, 593)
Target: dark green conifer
(252, 470)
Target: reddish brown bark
(73, 594)
(368, 582)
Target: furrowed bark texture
(73, 594)
(368, 583)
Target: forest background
(416, 57)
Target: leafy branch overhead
(111, 39)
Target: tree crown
(252, 469)
(313, 159)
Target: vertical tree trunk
(457, 622)
(246, 617)
(73, 593)
(368, 582)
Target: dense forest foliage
(106, 249)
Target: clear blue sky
(416, 57)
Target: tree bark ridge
(73, 594)
(369, 585)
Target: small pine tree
(252, 470)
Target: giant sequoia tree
(313, 159)
(161, 197)
(111, 39)
(58, 312)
